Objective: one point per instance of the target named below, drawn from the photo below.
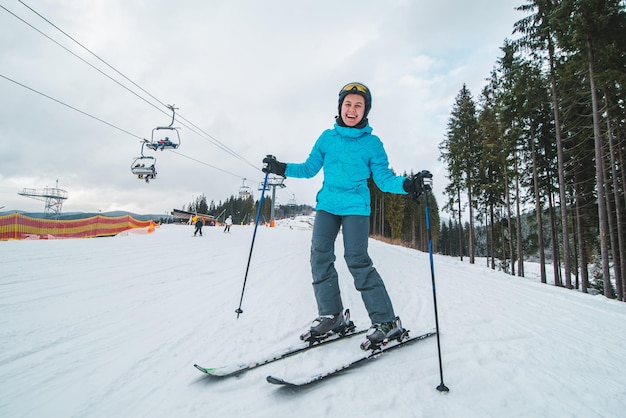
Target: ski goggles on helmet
(355, 87)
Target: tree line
(394, 217)
(546, 138)
(244, 209)
(399, 219)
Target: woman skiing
(350, 155)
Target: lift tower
(273, 183)
(53, 196)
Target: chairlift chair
(169, 139)
(244, 191)
(161, 141)
(144, 168)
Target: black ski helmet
(356, 88)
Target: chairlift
(164, 137)
(244, 191)
(144, 167)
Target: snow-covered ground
(112, 327)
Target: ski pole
(427, 183)
(256, 224)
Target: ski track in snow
(113, 326)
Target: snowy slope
(112, 326)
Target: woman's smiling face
(352, 109)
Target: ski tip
(202, 369)
(276, 380)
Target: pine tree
(461, 152)
(540, 37)
(594, 31)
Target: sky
(249, 78)
(110, 327)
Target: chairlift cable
(110, 124)
(208, 137)
(94, 54)
(70, 106)
(218, 143)
(80, 58)
(207, 164)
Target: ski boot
(381, 334)
(326, 326)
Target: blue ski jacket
(349, 157)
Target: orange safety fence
(18, 226)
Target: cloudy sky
(249, 78)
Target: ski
(237, 368)
(306, 380)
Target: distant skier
(199, 225)
(228, 222)
(350, 155)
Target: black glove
(273, 166)
(418, 184)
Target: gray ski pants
(366, 278)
